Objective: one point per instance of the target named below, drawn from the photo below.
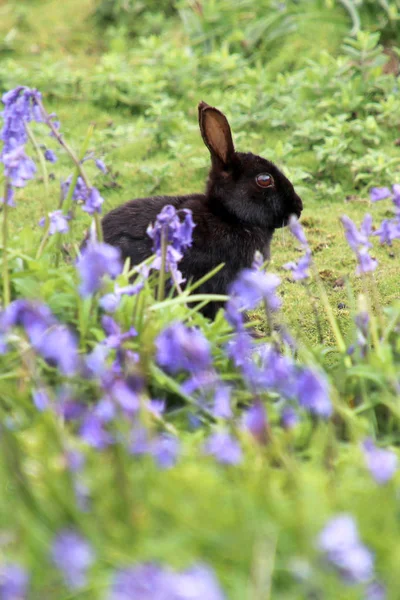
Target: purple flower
(14, 582)
(356, 238)
(110, 302)
(381, 463)
(224, 448)
(256, 422)
(165, 449)
(73, 556)
(18, 167)
(366, 263)
(21, 106)
(251, 287)
(388, 231)
(93, 433)
(377, 194)
(180, 348)
(49, 338)
(115, 337)
(289, 417)
(300, 270)
(152, 582)
(97, 260)
(50, 156)
(375, 591)
(126, 393)
(197, 583)
(93, 202)
(143, 582)
(222, 402)
(40, 399)
(297, 230)
(9, 197)
(101, 166)
(312, 393)
(340, 544)
(58, 222)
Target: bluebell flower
(52, 340)
(222, 402)
(312, 392)
(73, 556)
(100, 165)
(297, 230)
(301, 269)
(355, 237)
(178, 237)
(251, 287)
(340, 544)
(224, 447)
(377, 194)
(50, 156)
(256, 422)
(375, 591)
(381, 463)
(165, 448)
(93, 201)
(366, 263)
(144, 582)
(96, 261)
(93, 432)
(18, 167)
(181, 348)
(9, 197)
(14, 581)
(289, 417)
(58, 222)
(40, 399)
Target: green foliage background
(310, 84)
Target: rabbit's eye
(264, 180)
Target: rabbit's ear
(216, 134)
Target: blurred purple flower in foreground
(58, 222)
(73, 556)
(256, 422)
(180, 348)
(177, 235)
(312, 393)
(50, 156)
(224, 447)
(341, 546)
(47, 336)
(377, 194)
(97, 260)
(153, 582)
(381, 463)
(13, 582)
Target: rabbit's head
(245, 186)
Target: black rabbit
(246, 199)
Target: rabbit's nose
(298, 205)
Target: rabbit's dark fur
(234, 218)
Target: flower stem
(161, 279)
(6, 278)
(331, 317)
(63, 143)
